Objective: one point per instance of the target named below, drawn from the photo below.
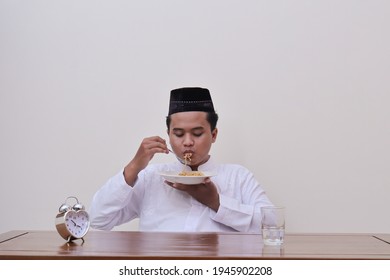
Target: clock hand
(74, 223)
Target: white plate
(174, 177)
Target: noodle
(191, 173)
(187, 159)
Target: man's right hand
(148, 148)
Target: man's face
(190, 132)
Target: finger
(153, 147)
(176, 185)
(207, 181)
(157, 142)
(156, 139)
(168, 183)
(179, 187)
(154, 150)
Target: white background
(302, 89)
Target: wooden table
(154, 245)
(383, 237)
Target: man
(229, 201)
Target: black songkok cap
(190, 99)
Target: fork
(180, 159)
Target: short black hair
(211, 117)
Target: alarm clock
(72, 222)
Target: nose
(188, 141)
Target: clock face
(77, 223)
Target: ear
(169, 137)
(214, 134)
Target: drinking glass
(273, 225)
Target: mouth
(188, 153)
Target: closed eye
(178, 132)
(197, 134)
(198, 131)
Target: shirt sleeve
(240, 208)
(112, 204)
